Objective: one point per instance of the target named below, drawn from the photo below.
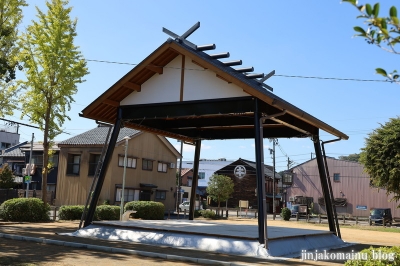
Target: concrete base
(214, 237)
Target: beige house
(150, 169)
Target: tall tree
(6, 177)
(220, 188)
(383, 32)
(54, 66)
(355, 157)
(10, 18)
(381, 157)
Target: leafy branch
(383, 32)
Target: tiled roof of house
(97, 136)
(184, 171)
(14, 151)
(267, 169)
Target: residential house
(351, 188)
(207, 168)
(15, 158)
(8, 137)
(36, 169)
(150, 169)
(243, 174)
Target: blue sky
(302, 38)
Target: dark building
(243, 174)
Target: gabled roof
(184, 171)
(267, 169)
(97, 136)
(14, 151)
(229, 118)
(37, 146)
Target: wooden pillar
(103, 171)
(324, 184)
(260, 176)
(195, 179)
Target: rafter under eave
(132, 86)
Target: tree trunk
(46, 145)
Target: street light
(123, 179)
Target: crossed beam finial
(184, 36)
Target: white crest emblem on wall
(239, 171)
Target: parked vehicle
(185, 206)
(378, 215)
(301, 209)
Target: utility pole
(178, 191)
(28, 169)
(273, 175)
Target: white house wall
(199, 84)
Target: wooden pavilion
(183, 92)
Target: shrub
(107, 212)
(197, 213)
(285, 214)
(208, 214)
(147, 210)
(376, 256)
(25, 210)
(71, 212)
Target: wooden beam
(132, 86)
(111, 102)
(224, 79)
(156, 69)
(197, 63)
(182, 79)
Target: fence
(6, 194)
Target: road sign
(27, 179)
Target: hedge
(25, 210)
(107, 212)
(146, 210)
(71, 212)
(381, 256)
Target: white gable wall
(203, 84)
(199, 84)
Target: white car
(184, 206)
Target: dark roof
(97, 136)
(14, 151)
(267, 169)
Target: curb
(119, 250)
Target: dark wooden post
(195, 179)
(103, 171)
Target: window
(53, 159)
(93, 162)
(130, 161)
(336, 177)
(147, 165)
(130, 194)
(37, 160)
(5, 145)
(162, 167)
(160, 195)
(202, 175)
(73, 164)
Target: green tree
(383, 32)
(355, 157)
(220, 188)
(381, 157)
(53, 68)
(6, 177)
(10, 18)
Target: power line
(284, 76)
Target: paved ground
(16, 252)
